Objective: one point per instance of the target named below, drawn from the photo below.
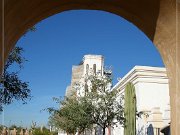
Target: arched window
(94, 68)
(87, 68)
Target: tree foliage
(98, 107)
(42, 131)
(107, 107)
(73, 116)
(36, 130)
(11, 86)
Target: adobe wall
(157, 19)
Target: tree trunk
(104, 130)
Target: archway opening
(72, 29)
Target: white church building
(152, 96)
(151, 86)
(90, 64)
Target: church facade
(90, 64)
(151, 88)
(152, 99)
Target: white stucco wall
(91, 60)
(150, 95)
(152, 90)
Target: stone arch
(156, 18)
(22, 16)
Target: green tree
(106, 106)
(99, 106)
(73, 116)
(1, 128)
(36, 130)
(130, 110)
(43, 131)
(11, 86)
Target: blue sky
(60, 41)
